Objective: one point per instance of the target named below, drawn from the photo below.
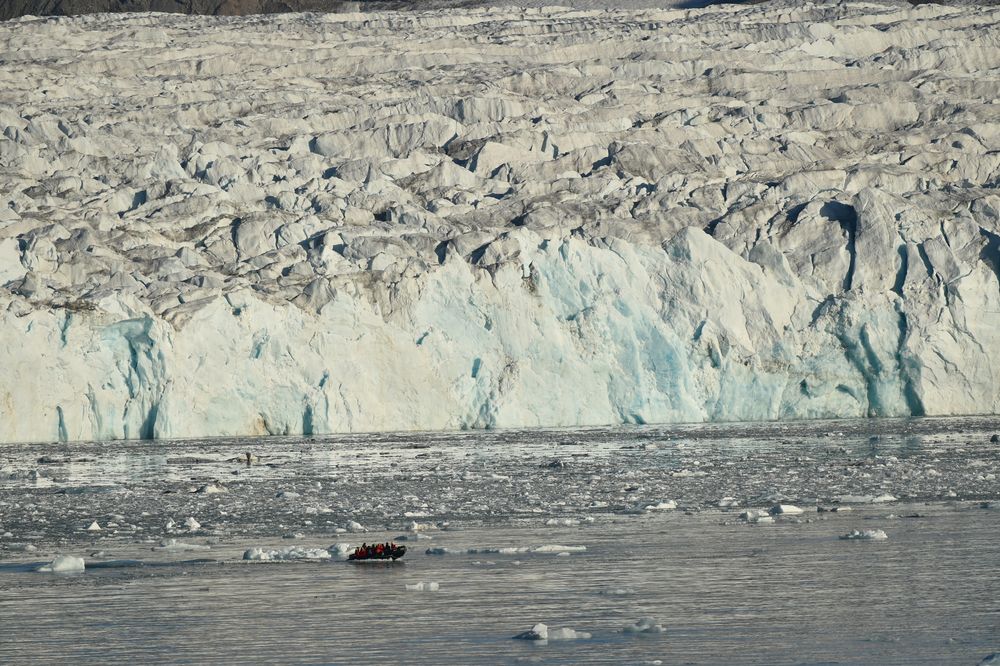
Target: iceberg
(653, 226)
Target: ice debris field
(497, 217)
(855, 542)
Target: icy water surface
(573, 528)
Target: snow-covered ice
(542, 634)
(865, 535)
(64, 564)
(285, 554)
(302, 224)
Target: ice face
(633, 221)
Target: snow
(793, 220)
(64, 564)
(866, 535)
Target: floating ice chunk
(508, 550)
(422, 586)
(567, 634)
(539, 632)
(756, 516)
(553, 548)
(865, 535)
(727, 502)
(175, 545)
(94, 527)
(644, 625)
(617, 591)
(443, 551)
(354, 526)
(340, 551)
(882, 499)
(192, 524)
(170, 524)
(662, 506)
(786, 510)
(286, 494)
(63, 564)
(285, 554)
(414, 526)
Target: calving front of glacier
(515, 218)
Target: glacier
(497, 217)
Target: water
(725, 591)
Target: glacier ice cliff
(497, 217)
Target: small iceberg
(644, 625)
(542, 635)
(63, 564)
(173, 545)
(865, 535)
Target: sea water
(589, 530)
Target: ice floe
(64, 564)
(541, 633)
(286, 554)
(644, 625)
(865, 535)
(173, 545)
